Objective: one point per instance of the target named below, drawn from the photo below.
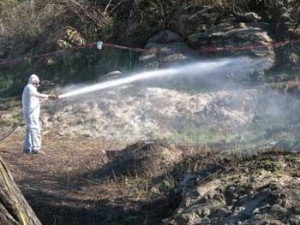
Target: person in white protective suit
(31, 110)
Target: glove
(53, 97)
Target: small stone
(203, 211)
(242, 25)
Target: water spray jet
(201, 69)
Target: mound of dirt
(143, 159)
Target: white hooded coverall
(31, 110)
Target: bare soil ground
(63, 187)
(77, 182)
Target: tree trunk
(14, 209)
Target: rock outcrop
(206, 31)
(258, 189)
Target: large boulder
(233, 40)
(164, 48)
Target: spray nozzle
(53, 97)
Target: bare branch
(107, 6)
(117, 5)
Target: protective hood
(33, 79)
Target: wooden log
(14, 209)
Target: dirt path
(63, 185)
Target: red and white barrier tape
(92, 44)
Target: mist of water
(240, 65)
(252, 116)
